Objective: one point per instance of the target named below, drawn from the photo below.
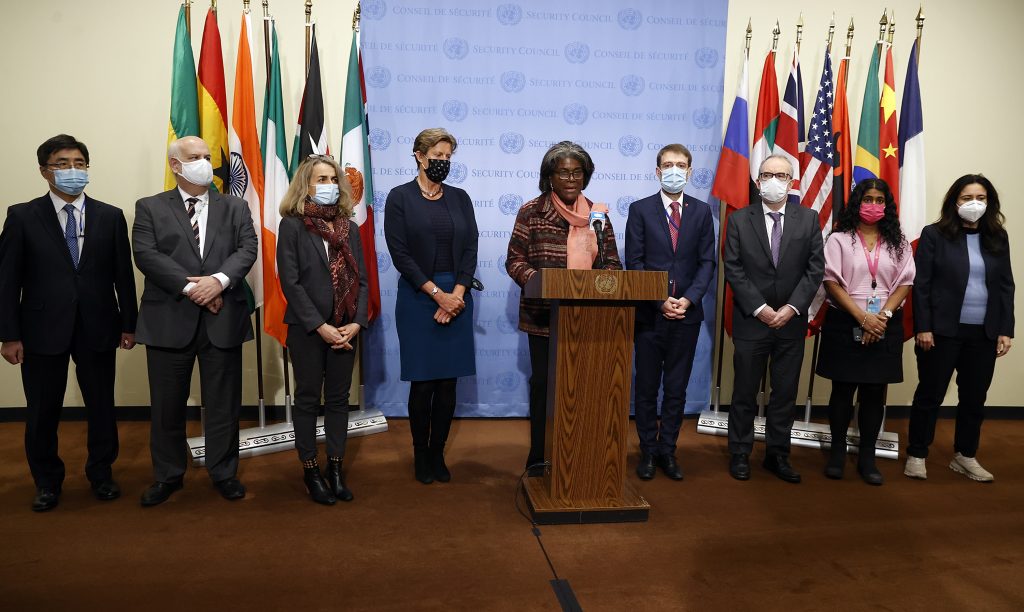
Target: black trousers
(973, 356)
(664, 359)
(44, 378)
(538, 397)
(431, 410)
(749, 360)
(170, 378)
(869, 416)
(320, 372)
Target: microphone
(598, 220)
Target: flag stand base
(278, 437)
(806, 434)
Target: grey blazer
(755, 281)
(306, 278)
(166, 254)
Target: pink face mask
(872, 213)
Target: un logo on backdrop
(706, 57)
(513, 81)
(380, 139)
(509, 14)
(630, 19)
(501, 264)
(622, 205)
(511, 142)
(703, 118)
(383, 262)
(577, 52)
(632, 84)
(702, 178)
(506, 325)
(510, 203)
(385, 321)
(507, 381)
(575, 113)
(630, 145)
(455, 110)
(457, 173)
(379, 198)
(378, 77)
(456, 48)
(374, 9)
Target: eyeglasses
(65, 165)
(782, 176)
(320, 157)
(565, 175)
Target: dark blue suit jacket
(691, 265)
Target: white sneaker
(969, 466)
(915, 468)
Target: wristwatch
(437, 289)
(887, 313)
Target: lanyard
(872, 266)
(672, 223)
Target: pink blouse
(846, 265)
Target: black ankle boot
(422, 464)
(437, 465)
(866, 465)
(336, 481)
(836, 460)
(316, 486)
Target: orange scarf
(581, 243)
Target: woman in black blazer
(963, 318)
(432, 236)
(320, 263)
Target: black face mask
(437, 169)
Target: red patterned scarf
(341, 262)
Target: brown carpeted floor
(711, 544)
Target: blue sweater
(976, 297)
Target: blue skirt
(429, 350)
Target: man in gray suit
(774, 262)
(194, 247)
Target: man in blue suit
(672, 232)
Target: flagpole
(799, 32)
(849, 49)
(831, 32)
(188, 16)
(266, 35)
(920, 31)
(309, 27)
(775, 36)
(717, 399)
(892, 26)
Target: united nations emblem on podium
(606, 283)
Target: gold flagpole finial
(775, 35)
(213, 6)
(849, 38)
(831, 31)
(309, 11)
(355, 16)
(882, 23)
(245, 6)
(266, 9)
(188, 16)
(750, 31)
(799, 31)
(892, 26)
(920, 29)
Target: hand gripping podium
(589, 378)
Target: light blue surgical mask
(71, 181)
(326, 194)
(673, 180)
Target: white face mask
(773, 190)
(198, 172)
(972, 211)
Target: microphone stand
(599, 231)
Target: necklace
(428, 194)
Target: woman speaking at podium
(554, 230)
(432, 237)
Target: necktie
(71, 234)
(673, 227)
(776, 235)
(193, 217)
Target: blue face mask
(673, 180)
(71, 181)
(326, 194)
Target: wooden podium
(589, 378)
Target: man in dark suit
(67, 289)
(673, 232)
(774, 262)
(194, 247)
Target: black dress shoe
(535, 471)
(46, 499)
(336, 482)
(870, 474)
(230, 489)
(159, 492)
(317, 488)
(645, 470)
(669, 465)
(779, 465)
(438, 466)
(739, 466)
(106, 490)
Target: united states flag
(816, 182)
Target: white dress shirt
(79, 212)
(202, 214)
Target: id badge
(874, 305)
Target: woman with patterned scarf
(552, 231)
(320, 264)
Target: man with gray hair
(194, 246)
(774, 262)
